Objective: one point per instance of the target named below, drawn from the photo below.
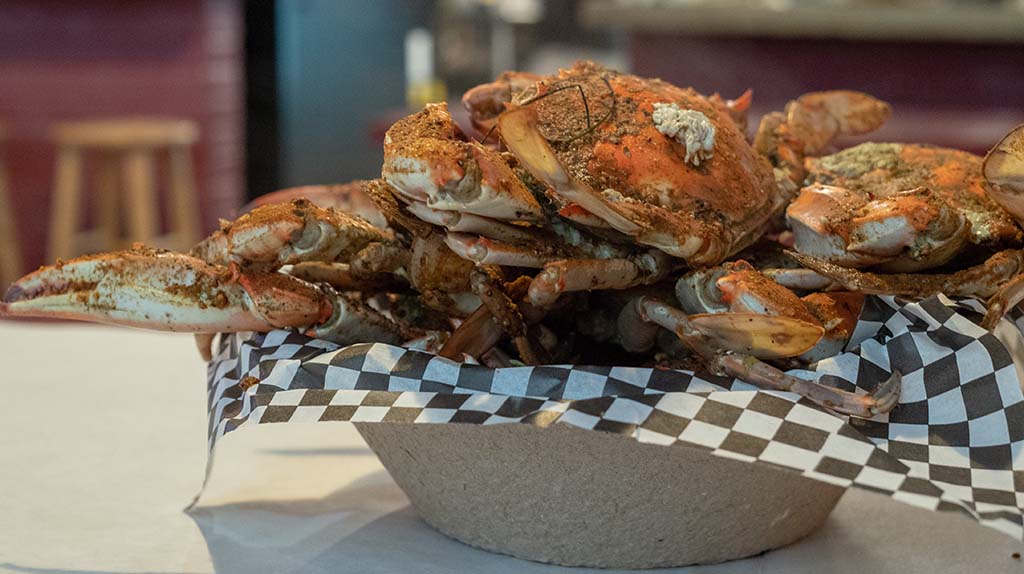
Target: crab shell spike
(521, 135)
(1003, 169)
(165, 292)
(757, 335)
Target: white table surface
(103, 445)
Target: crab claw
(749, 369)
(757, 335)
(164, 291)
(1005, 298)
(817, 118)
(487, 101)
(288, 233)
(1003, 169)
(733, 344)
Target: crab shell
(604, 135)
(904, 207)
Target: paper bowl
(585, 498)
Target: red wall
(67, 60)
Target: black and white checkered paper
(954, 443)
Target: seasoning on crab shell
(906, 207)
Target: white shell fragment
(689, 127)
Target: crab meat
(688, 127)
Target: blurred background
(149, 120)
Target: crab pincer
(167, 291)
(734, 344)
(157, 290)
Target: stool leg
(10, 249)
(107, 185)
(184, 202)
(141, 195)
(67, 192)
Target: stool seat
(125, 151)
(126, 133)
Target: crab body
(898, 207)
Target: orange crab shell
(721, 202)
(881, 170)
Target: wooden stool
(10, 249)
(126, 150)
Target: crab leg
(383, 197)
(979, 281)
(590, 274)
(1007, 297)
(163, 291)
(484, 251)
(171, 292)
(756, 372)
(489, 286)
(475, 336)
(470, 223)
(482, 330)
(344, 277)
(803, 279)
(733, 344)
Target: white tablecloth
(103, 489)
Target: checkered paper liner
(954, 443)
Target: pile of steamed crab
(594, 217)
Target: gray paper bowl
(583, 498)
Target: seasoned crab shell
(701, 206)
(880, 170)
